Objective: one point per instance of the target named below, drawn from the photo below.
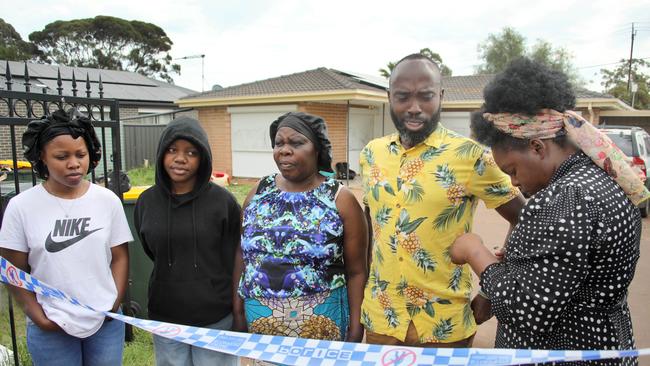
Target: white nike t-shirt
(69, 244)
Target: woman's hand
(355, 252)
(27, 299)
(238, 309)
(239, 323)
(482, 309)
(500, 253)
(355, 334)
(120, 271)
(469, 248)
(462, 247)
(46, 324)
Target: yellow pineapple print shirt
(420, 201)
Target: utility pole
(202, 67)
(629, 68)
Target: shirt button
(398, 205)
(401, 259)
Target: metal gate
(18, 108)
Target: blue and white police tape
(299, 351)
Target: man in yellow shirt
(422, 185)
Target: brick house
(355, 107)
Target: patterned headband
(549, 123)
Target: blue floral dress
(293, 283)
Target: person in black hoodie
(189, 227)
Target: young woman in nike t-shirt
(72, 235)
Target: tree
(444, 69)
(497, 51)
(557, 59)
(12, 46)
(500, 49)
(108, 43)
(615, 82)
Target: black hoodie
(191, 238)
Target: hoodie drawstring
(194, 234)
(169, 240)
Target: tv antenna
(202, 57)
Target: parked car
(635, 143)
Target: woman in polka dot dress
(568, 264)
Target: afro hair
(525, 87)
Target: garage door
(361, 132)
(252, 154)
(456, 121)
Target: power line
(610, 63)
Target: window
(624, 142)
(646, 139)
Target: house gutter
(320, 96)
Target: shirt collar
(567, 165)
(434, 140)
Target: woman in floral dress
(302, 266)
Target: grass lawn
(146, 177)
(5, 332)
(139, 352)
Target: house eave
(365, 96)
(320, 96)
(626, 113)
(603, 104)
(461, 104)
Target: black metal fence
(18, 108)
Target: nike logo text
(68, 227)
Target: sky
(245, 41)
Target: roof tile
(457, 88)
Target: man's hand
(482, 309)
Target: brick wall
(5, 133)
(128, 111)
(5, 142)
(336, 116)
(216, 123)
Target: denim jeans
(173, 353)
(104, 348)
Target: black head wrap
(41, 131)
(313, 128)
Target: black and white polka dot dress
(569, 262)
